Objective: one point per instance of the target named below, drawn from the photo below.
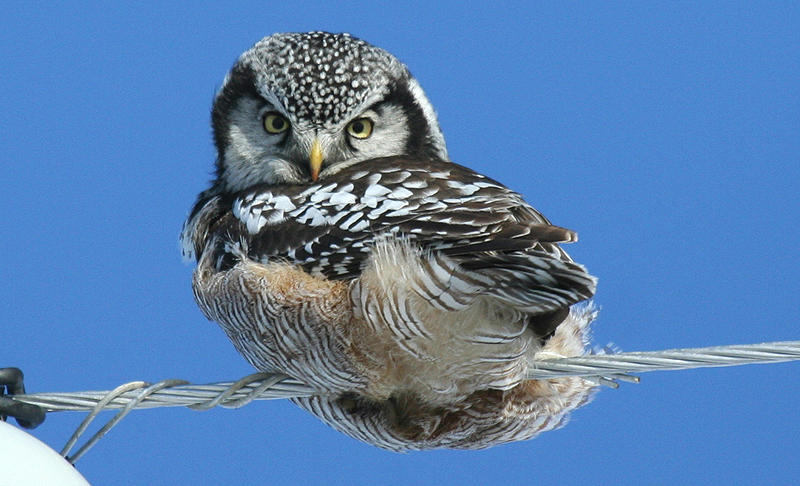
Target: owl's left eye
(360, 128)
(275, 123)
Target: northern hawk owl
(339, 245)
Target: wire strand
(603, 369)
(266, 386)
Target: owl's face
(296, 108)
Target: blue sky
(665, 134)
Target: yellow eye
(360, 128)
(275, 123)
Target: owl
(339, 245)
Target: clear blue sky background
(667, 135)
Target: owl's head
(296, 108)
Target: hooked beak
(315, 159)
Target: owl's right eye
(275, 123)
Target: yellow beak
(315, 159)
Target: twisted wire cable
(266, 386)
(605, 369)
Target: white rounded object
(27, 461)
